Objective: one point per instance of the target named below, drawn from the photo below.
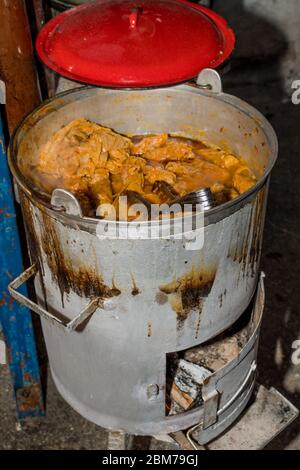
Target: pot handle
(210, 81)
(22, 299)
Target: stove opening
(187, 370)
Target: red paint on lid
(131, 44)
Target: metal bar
(16, 319)
(70, 325)
(39, 12)
(184, 442)
(189, 436)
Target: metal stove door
(228, 390)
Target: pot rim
(211, 215)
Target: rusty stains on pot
(40, 113)
(246, 249)
(198, 320)
(161, 298)
(115, 291)
(84, 281)
(186, 293)
(258, 227)
(135, 290)
(222, 298)
(32, 239)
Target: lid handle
(133, 18)
(209, 79)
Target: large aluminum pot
(149, 297)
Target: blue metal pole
(16, 319)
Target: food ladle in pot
(202, 197)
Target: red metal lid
(140, 43)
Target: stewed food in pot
(98, 165)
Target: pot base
(225, 393)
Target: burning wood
(188, 372)
(214, 355)
(187, 386)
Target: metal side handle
(22, 299)
(210, 80)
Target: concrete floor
(263, 67)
